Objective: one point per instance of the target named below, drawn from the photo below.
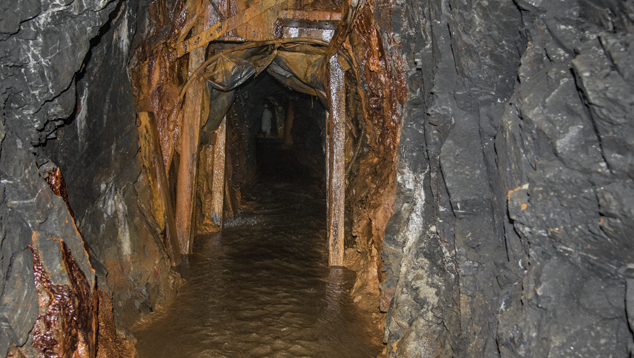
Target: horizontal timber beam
(222, 28)
(310, 15)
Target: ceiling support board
(222, 28)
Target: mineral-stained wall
(513, 216)
(98, 153)
(371, 184)
(66, 103)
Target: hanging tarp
(300, 67)
(259, 57)
(307, 68)
(218, 107)
(228, 72)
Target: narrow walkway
(262, 287)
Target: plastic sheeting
(302, 72)
(300, 67)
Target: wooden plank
(222, 28)
(204, 190)
(336, 163)
(217, 190)
(161, 201)
(190, 142)
(310, 15)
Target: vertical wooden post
(336, 163)
(190, 141)
(217, 190)
(162, 203)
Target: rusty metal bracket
(222, 28)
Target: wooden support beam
(217, 190)
(310, 15)
(188, 166)
(336, 164)
(161, 200)
(222, 28)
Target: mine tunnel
(316, 178)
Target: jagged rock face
(41, 50)
(510, 234)
(98, 152)
(66, 101)
(43, 45)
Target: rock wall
(66, 102)
(98, 151)
(514, 199)
(371, 183)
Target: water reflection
(263, 288)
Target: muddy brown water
(262, 287)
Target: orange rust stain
(56, 181)
(373, 185)
(156, 75)
(67, 326)
(394, 346)
(508, 195)
(110, 344)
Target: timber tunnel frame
(226, 77)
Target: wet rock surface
(67, 112)
(510, 234)
(262, 287)
(109, 189)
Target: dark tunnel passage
(296, 129)
(264, 280)
(262, 286)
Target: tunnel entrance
(262, 286)
(272, 132)
(219, 147)
(215, 81)
(262, 277)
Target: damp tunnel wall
(67, 103)
(489, 208)
(510, 235)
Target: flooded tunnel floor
(262, 287)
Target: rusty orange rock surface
(373, 183)
(67, 322)
(109, 343)
(72, 310)
(162, 209)
(56, 181)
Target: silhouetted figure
(266, 121)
